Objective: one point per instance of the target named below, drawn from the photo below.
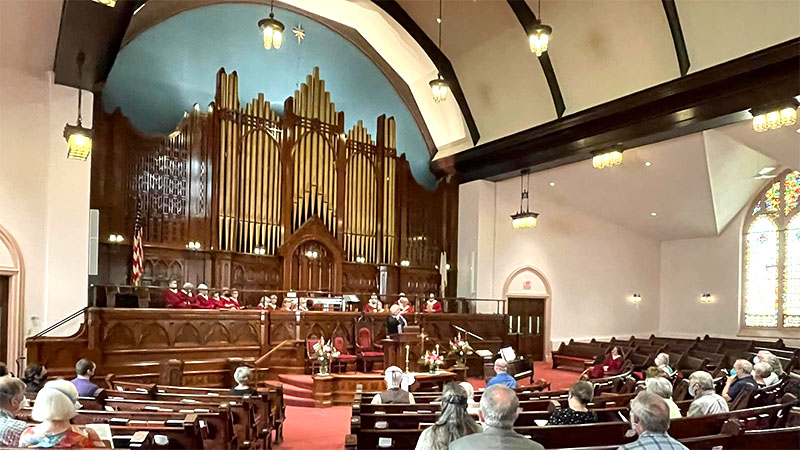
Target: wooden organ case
(291, 202)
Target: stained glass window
(771, 291)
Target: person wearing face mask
(775, 366)
(743, 370)
(12, 400)
(701, 387)
(650, 420)
(662, 362)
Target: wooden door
(526, 323)
(312, 268)
(4, 319)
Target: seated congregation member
(610, 366)
(761, 373)
(663, 388)
(35, 377)
(55, 405)
(393, 376)
(580, 394)
(735, 383)
(662, 362)
(12, 400)
(650, 420)
(173, 298)
(502, 377)
(472, 406)
(374, 305)
(84, 369)
(774, 365)
(499, 411)
(706, 400)
(3, 369)
(432, 305)
(244, 378)
(395, 322)
(654, 371)
(453, 422)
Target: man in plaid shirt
(12, 399)
(650, 420)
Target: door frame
(548, 343)
(16, 298)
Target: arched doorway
(12, 286)
(527, 294)
(312, 259)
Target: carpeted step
(291, 400)
(301, 381)
(296, 391)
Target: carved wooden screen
(423, 233)
(312, 268)
(248, 171)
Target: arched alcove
(529, 282)
(12, 266)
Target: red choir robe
(435, 307)
(202, 302)
(175, 299)
(370, 309)
(613, 364)
(229, 303)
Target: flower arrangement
(461, 348)
(325, 352)
(432, 359)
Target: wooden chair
(366, 350)
(345, 358)
(311, 361)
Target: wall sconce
(706, 298)
(405, 263)
(193, 245)
(115, 238)
(636, 299)
(361, 259)
(312, 254)
(260, 251)
(447, 266)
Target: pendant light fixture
(539, 38)
(439, 87)
(526, 218)
(272, 30)
(775, 116)
(79, 138)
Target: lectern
(394, 349)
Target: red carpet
(325, 428)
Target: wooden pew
(578, 355)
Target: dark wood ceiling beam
(706, 99)
(397, 13)
(528, 20)
(677, 35)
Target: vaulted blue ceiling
(168, 68)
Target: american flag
(138, 249)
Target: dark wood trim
(706, 99)
(528, 20)
(677, 35)
(397, 13)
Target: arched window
(771, 291)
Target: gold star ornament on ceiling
(299, 33)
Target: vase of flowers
(461, 349)
(325, 352)
(433, 360)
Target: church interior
(401, 224)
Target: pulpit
(395, 345)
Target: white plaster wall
(476, 224)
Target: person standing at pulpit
(374, 305)
(396, 322)
(393, 393)
(173, 298)
(432, 305)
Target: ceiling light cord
(441, 53)
(81, 59)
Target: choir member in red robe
(173, 298)
(201, 300)
(374, 305)
(610, 366)
(404, 304)
(231, 301)
(268, 303)
(432, 305)
(288, 305)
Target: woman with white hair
(472, 406)
(662, 362)
(243, 377)
(663, 388)
(57, 403)
(393, 393)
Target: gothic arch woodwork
(313, 232)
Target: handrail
(58, 324)
(269, 353)
(467, 332)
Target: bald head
(499, 406)
(500, 366)
(650, 412)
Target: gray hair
(10, 388)
(774, 363)
(762, 370)
(703, 379)
(393, 376)
(659, 386)
(652, 412)
(747, 366)
(583, 391)
(500, 406)
(500, 365)
(242, 375)
(665, 357)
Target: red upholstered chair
(367, 350)
(345, 358)
(311, 360)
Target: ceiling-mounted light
(79, 139)
(439, 86)
(539, 37)
(526, 218)
(272, 30)
(109, 3)
(609, 158)
(774, 116)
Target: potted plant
(325, 352)
(461, 349)
(432, 359)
